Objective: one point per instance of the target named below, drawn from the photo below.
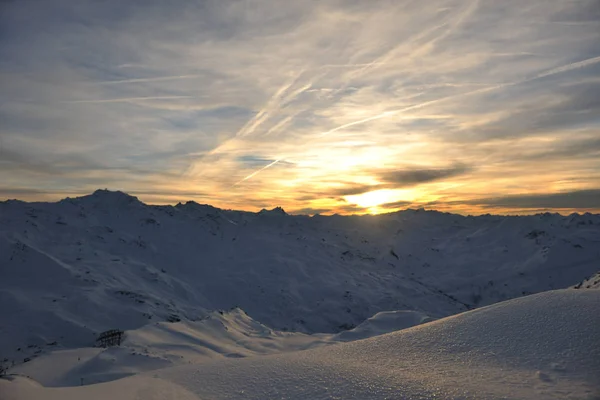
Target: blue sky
(329, 106)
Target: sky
(330, 106)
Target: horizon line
(418, 207)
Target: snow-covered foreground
(221, 335)
(231, 334)
(539, 346)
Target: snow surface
(538, 346)
(231, 334)
(383, 322)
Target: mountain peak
(111, 197)
(274, 211)
(109, 193)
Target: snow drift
(222, 334)
(539, 346)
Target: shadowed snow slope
(231, 334)
(72, 269)
(539, 346)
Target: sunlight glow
(379, 197)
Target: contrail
(279, 125)
(271, 105)
(362, 121)
(412, 40)
(138, 80)
(384, 59)
(349, 65)
(452, 26)
(262, 114)
(265, 114)
(554, 71)
(569, 67)
(414, 107)
(257, 172)
(124, 99)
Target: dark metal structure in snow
(109, 338)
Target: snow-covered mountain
(81, 266)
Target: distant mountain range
(75, 268)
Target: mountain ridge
(100, 194)
(74, 268)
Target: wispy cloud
(127, 99)
(143, 80)
(259, 103)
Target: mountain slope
(75, 268)
(593, 282)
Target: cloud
(311, 211)
(414, 176)
(577, 199)
(396, 204)
(8, 192)
(349, 209)
(322, 93)
(350, 190)
(577, 105)
(396, 179)
(571, 148)
(257, 161)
